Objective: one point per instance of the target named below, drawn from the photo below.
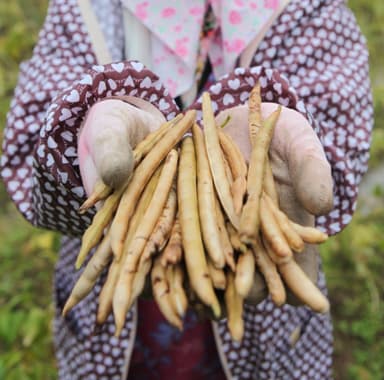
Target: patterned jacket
(312, 59)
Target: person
(104, 73)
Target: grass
(353, 260)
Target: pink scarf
(175, 27)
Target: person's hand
(301, 171)
(110, 131)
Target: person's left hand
(301, 171)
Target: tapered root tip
(216, 309)
(67, 307)
(79, 263)
(323, 308)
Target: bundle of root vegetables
(195, 220)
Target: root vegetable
(244, 275)
(161, 293)
(218, 276)
(225, 240)
(194, 254)
(310, 235)
(147, 144)
(95, 231)
(250, 216)
(100, 192)
(216, 161)
(292, 237)
(173, 251)
(269, 271)
(255, 122)
(206, 201)
(177, 293)
(271, 230)
(234, 306)
(238, 168)
(302, 287)
(163, 227)
(135, 248)
(87, 280)
(141, 176)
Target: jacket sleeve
(314, 60)
(55, 89)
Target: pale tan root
(194, 254)
(238, 193)
(250, 216)
(139, 279)
(161, 293)
(245, 271)
(238, 168)
(226, 245)
(233, 154)
(234, 304)
(271, 230)
(206, 201)
(173, 251)
(177, 293)
(100, 192)
(292, 237)
(269, 183)
(123, 291)
(269, 271)
(163, 227)
(145, 145)
(104, 308)
(228, 173)
(310, 235)
(106, 294)
(91, 273)
(216, 161)
(141, 176)
(277, 259)
(255, 122)
(95, 231)
(218, 276)
(302, 287)
(235, 239)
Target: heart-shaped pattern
(119, 66)
(65, 114)
(73, 96)
(138, 66)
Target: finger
(107, 139)
(309, 171)
(110, 131)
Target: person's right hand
(110, 131)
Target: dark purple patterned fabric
(313, 59)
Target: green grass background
(354, 260)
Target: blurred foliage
(353, 260)
(27, 254)
(370, 16)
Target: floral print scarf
(176, 38)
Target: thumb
(309, 170)
(110, 130)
